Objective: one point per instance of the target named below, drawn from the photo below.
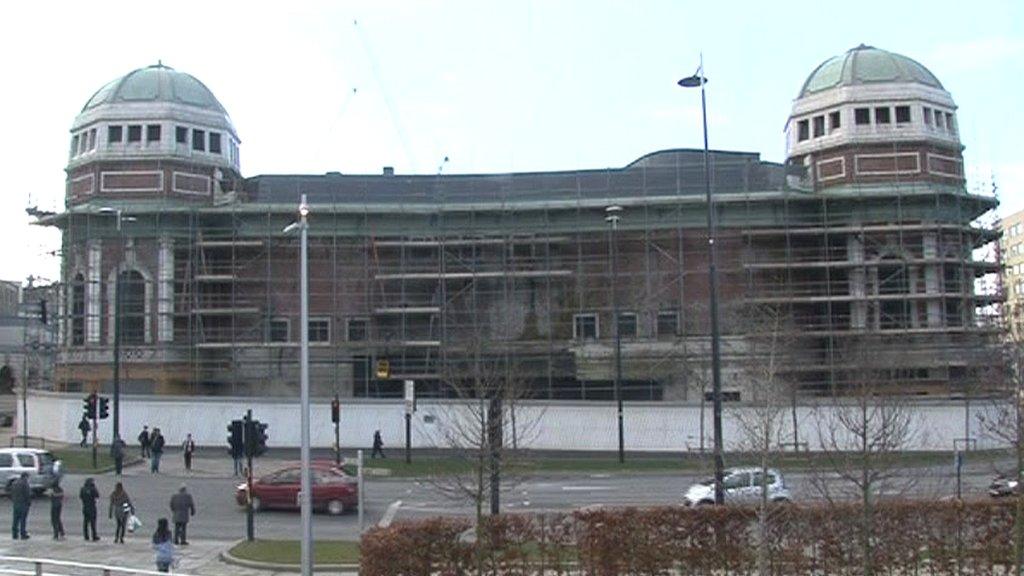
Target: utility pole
(612, 217)
(250, 528)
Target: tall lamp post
(612, 216)
(699, 80)
(305, 494)
(116, 423)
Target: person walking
(188, 448)
(21, 501)
(120, 509)
(156, 450)
(89, 495)
(117, 448)
(144, 441)
(236, 450)
(84, 428)
(163, 547)
(56, 507)
(183, 507)
(378, 445)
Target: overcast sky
(493, 86)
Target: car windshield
(46, 458)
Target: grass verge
(288, 551)
(78, 460)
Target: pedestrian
(89, 495)
(21, 501)
(120, 509)
(378, 445)
(183, 507)
(144, 441)
(117, 453)
(163, 547)
(236, 450)
(56, 507)
(84, 428)
(188, 448)
(156, 450)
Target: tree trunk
(494, 443)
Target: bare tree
(861, 435)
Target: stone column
(931, 279)
(858, 306)
(93, 292)
(165, 291)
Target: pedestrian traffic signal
(335, 411)
(104, 407)
(235, 439)
(255, 438)
(383, 369)
(89, 406)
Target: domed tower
(154, 132)
(870, 116)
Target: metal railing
(38, 567)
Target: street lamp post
(116, 422)
(612, 217)
(694, 81)
(305, 493)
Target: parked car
(44, 471)
(742, 486)
(1002, 486)
(334, 491)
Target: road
(220, 518)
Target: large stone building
(861, 242)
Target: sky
(516, 86)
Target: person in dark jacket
(84, 428)
(117, 453)
(56, 507)
(144, 441)
(237, 450)
(120, 509)
(162, 546)
(89, 495)
(378, 445)
(156, 448)
(188, 448)
(183, 507)
(21, 501)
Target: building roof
(156, 83)
(867, 65)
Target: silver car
(44, 471)
(741, 486)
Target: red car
(333, 490)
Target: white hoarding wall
(655, 427)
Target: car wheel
(335, 507)
(706, 503)
(257, 505)
(781, 501)
(38, 491)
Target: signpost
(410, 407)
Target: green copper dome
(157, 83)
(867, 65)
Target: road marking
(389, 514)
(587, 488)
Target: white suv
(44, 471)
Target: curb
(229, 558)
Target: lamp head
(695, 81)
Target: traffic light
(383, 369)
(235, 439)
(89, 406)
(104, 407)
(255, 438)
(335, 411)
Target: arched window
(132, 288)
(78, 310)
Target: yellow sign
(383, 369)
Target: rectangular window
(584, 326)
(153, 133)
(114, 134)
(902, 114)
(627, 325)
(819, 126)
(833, 121)
(949, 122)
(882, 115)
(74, 145)
(927, 113)
(939, 119)
(358, 330)
(198, 140)
(92, 139)
(279, 330)
(862, 116)
(181, 135)
(83, 142)
(319, 329)
(135, 133)
(668, 324)
(215, 142)
(803, 130)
